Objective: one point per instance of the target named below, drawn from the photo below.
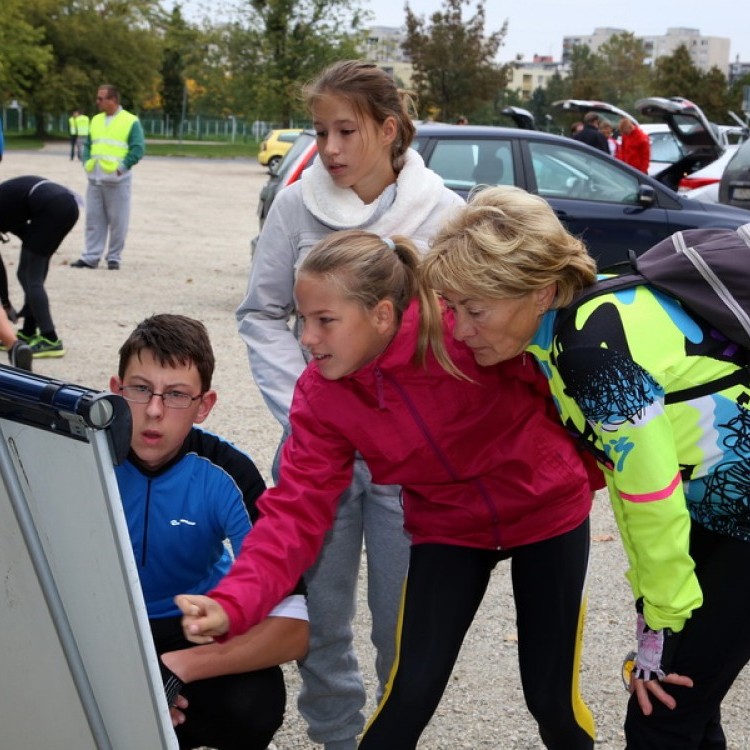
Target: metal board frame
(77, 661)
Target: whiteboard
(77, 663)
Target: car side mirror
(646, 195)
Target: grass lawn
(208, 149)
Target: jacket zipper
(145, 524)
(437, 450)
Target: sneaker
(27, 338)
(113, 265)
(42, 348)
(20, 356)
(80, 263)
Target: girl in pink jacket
(488, 474)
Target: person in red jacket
(635, 147)
(488, 474)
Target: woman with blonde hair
(623, 371)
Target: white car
(703, 184)
(665, 148)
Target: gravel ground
(188, 252)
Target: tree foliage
(274, 45)
(180, 42)
(250, 60)
(24, 54)
(625, 77)
(91, 42)
(454, 67)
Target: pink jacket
(485, 464)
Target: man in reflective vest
(79, 130)
(114, 145)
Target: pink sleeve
(316, 467)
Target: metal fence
(156, 125)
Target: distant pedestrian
(114, 146)
(576, 127)
(589, 133)
(635, 146)
(462, 120)
(78, 124)
(609, 133)
(40, 213)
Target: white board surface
(77, 665)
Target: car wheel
(273, 162)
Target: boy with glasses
(186, 491)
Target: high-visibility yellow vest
(82, 125)
(109, 142)
(72, 125)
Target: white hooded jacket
(301, 215)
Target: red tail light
(690, 183)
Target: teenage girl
(488, 474)
(365, 176)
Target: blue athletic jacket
(179, 516)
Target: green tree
(180, 41)
(24, 55)
(454, 61)
(676, 74)
(625, 77)
(712, 95)
(277, 44)
(584, 79)
(93, 42)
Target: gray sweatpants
(333, 693)
(107, 216)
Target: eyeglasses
(142, 394)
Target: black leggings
(45, 231)
(234, 712)
(444, 587)
(713, 648)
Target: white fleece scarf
(418, 191)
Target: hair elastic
(388, 241)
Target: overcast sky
(538, 26)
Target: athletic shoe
(80, 263)
(20, 356)
(113, 265)
(43, 348)
(27, 338)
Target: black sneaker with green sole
(42, 348)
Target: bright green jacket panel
(623, 353)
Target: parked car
(665, 148)
(275, 145)
(734, 187)
(703, 184)
(613, 207)
(682, 142)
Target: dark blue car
(611, 206)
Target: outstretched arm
(273, 641)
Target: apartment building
(705, 51)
